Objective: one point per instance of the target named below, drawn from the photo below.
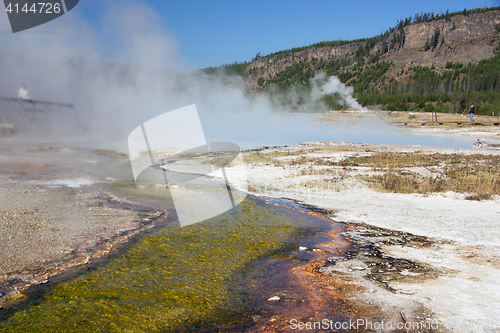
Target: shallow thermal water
(254, 130)
(251, 131)
(219, 273)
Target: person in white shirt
(23, 93)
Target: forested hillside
(429, 62)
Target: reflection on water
(208, 275)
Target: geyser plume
(331, 86)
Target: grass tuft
(405, 172)
(478, 197)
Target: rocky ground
(54, 213)
(427, 259)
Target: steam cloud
(119, 71)
(123, 68)
(333, 86)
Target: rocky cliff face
(459, 29)
(467, 39)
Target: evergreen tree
(435, 38)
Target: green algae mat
(170, 279)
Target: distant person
(23, 93)
(471, 113)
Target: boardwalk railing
(464, 122)
(28, 109)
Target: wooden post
(72, 108)
(46, 108)
(23, 114)
(5, 130)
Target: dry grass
(478, 197)
(275, 156)
(219, 161)
(272, 156)
(476, 175)
(406, 182)
(401, 160)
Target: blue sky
(211, 33)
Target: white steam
(119, 70)
(333, 85)
(123, 68)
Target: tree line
(414, 87)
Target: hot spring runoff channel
(217, 274)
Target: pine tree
(435, 38)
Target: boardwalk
(425, 123)
(15, 112)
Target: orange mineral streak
(312, 295)
(317, 214)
